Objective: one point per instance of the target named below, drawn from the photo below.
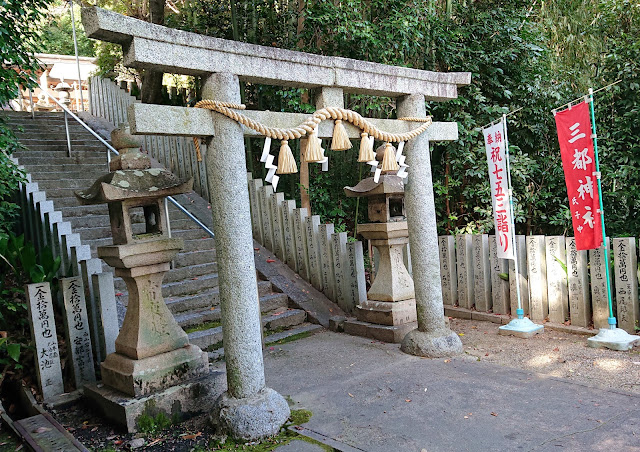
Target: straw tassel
(389, 160)
(313, 151)
(286, 162)
(340, 141)
(366, 148)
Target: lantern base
(614, 339)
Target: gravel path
(552, 353)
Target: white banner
(495, 146)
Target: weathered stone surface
(253, 417)
(447, 252)
(599, 295)
(464, 259)
(433, 337)
(312, 224)
(144, 376)
(256, 215)
(264, 194)
(108, 312)
(226, 166)
(290, 246)
(78, 335)
(499, 287)
(187, 399)
(537, 269)
(276, 201)
(354, 276)
(481, 275)
(579, 300)
(557, 279)
(384, 333)
(46, 434)
(325, 246)
(150, 45)
(300, 231)
(151, 119)
(387, 312)
(43, 332)
(626, 267)
(392, 282)
(339, 243)
(521, 253)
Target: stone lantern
(390, 307)
(153, 357)
(63, 89)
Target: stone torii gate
(222, 64)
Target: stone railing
(45, 227)
(321, 256)
(177, 154)
(557, 282)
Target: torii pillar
(248, 409)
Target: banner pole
(519, 311)
(612, 320)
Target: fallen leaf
(158, 440)
(556, 349)
(257, 249)
(118, 294)
(350, 395)
(94, 429)
(447, 360)
(118, 442)
(186, 436)
(270, 261)
(486, 354)
(460, 334)
(194, 279)
(466, 417)
(407, 400)
(494, 414)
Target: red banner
(579, 164)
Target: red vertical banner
(579, 164)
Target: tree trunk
(152, 80)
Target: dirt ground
(552, 353)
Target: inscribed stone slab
(521, 253)
(265, 193)
(339, 242)
(599, 295)
(579, 302)
(537, 268)
(43, 332)
(626, 267)
(276, 216)
(289, 236)
(357, 288)
(78, 332)
(256, 219)
(464, 254)
(481, 276)
(300, 230)
(315, 272)
(326, 258)
(447, 253)
(106, 303)
(499, 286)
(557, 279)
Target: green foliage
(20, 265)
(150, 425)
(57, 32)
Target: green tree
(57, 34)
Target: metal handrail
(112, 149)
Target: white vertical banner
(494, 140)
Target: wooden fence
(557, 282)
(177, 154)
(321, 256)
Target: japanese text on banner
(578, 162)
(495, 146)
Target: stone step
(60, 150)
(47, 171)
(286, 319)
(35, 159)
(76, 184)
(177, 288)
(175, 274)
(207, 300)
(268, 303)
(102, 221)
(194, 258)
(29, 140)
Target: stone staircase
(190, 289)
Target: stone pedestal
(389, 312)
